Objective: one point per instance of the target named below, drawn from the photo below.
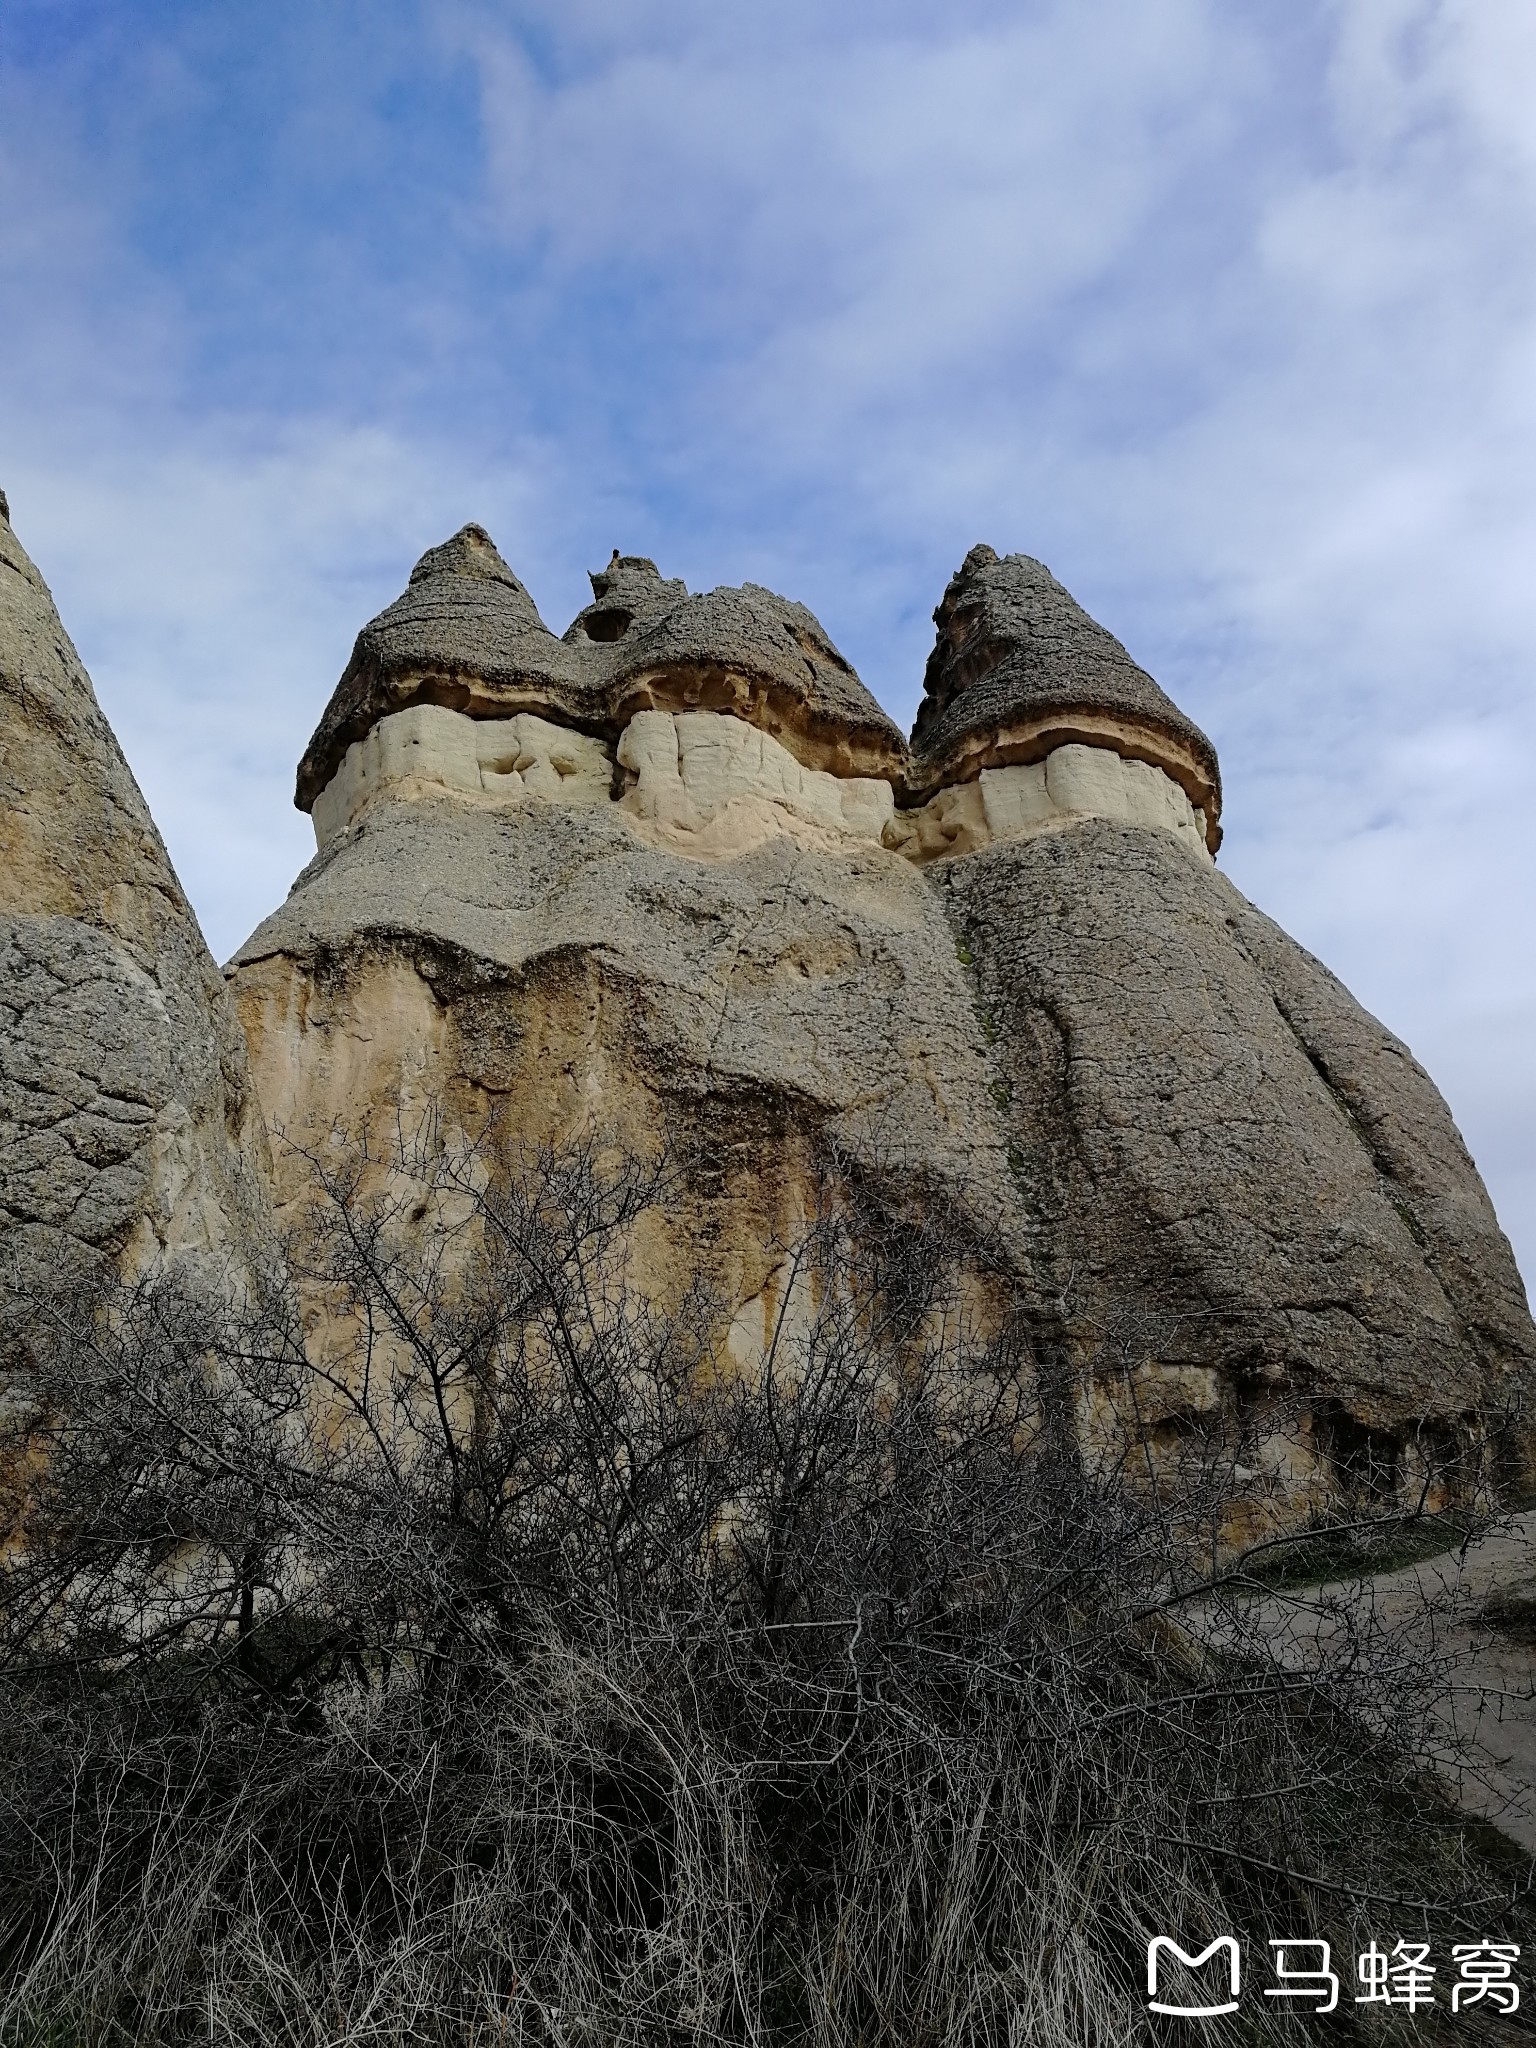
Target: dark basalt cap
(630, 591)
(1019, 667)
(768, 660)
(465, 634)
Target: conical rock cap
(464, 633)
(1018, 667)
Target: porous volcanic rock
(128, 1126)
(649, 880)
(464, 633)
(631, 588)
(1024, 1000)
(766, 660)
(467, 636)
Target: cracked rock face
(758, 1012)
(128, 1128)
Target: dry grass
(510, 1675)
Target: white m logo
(1194, 2012)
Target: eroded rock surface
(1023, 798)
(466, 635)
(720, 781)
(463, 633)
(675, 878)
(692, 887)
(1019, 669)
(128, 1127)
(761, 1012)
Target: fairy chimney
(676, 879)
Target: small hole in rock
(609, 625)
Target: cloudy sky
(1227, 312)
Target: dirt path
(1464, 1625)
(1481, 1605)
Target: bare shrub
(496, 1661)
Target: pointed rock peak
(464, 633)
(631, 588)
(5, 508)
(634, 575)
(1019, 667)
(994, 606)
(471, 552)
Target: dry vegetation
(501, 1671)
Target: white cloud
(866, 212)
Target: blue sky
(1228, 313)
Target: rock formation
(677, 878)
(677, 873)
(128, 1127)
(1031, 710)
(645, 887)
